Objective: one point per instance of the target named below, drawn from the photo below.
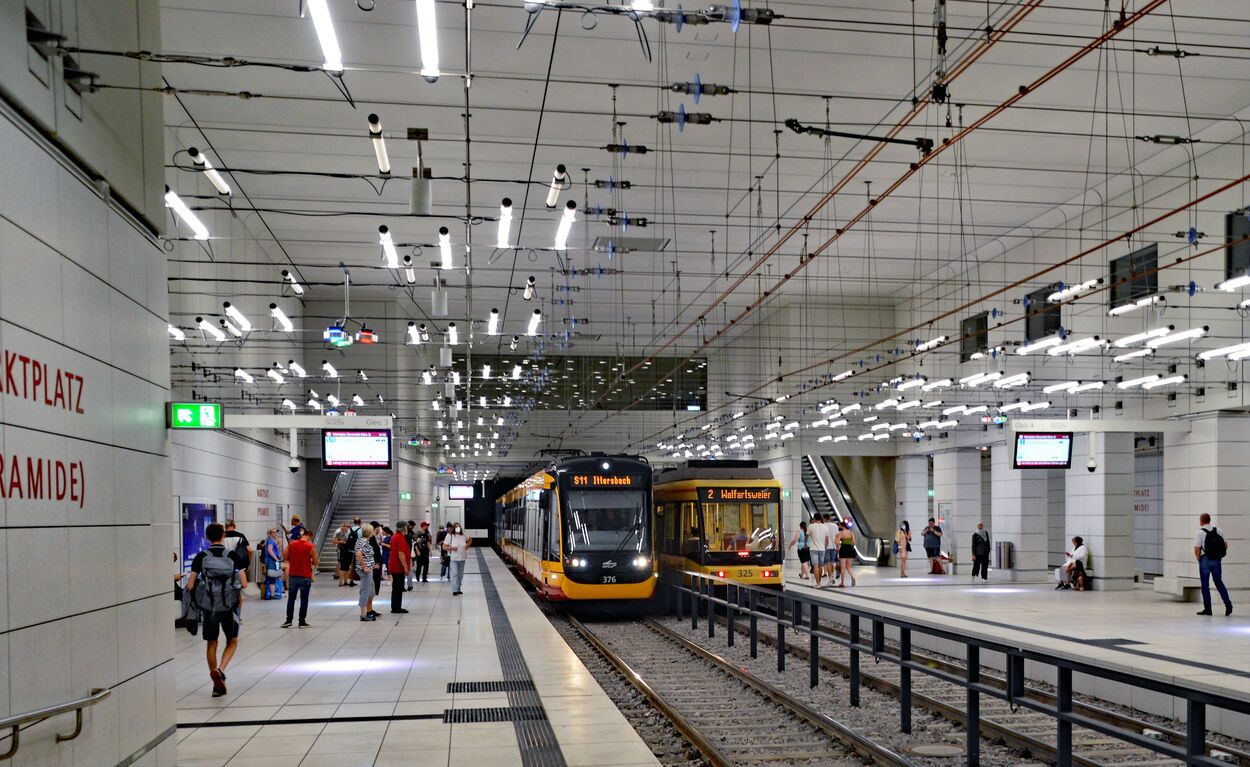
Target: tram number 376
(609, 579)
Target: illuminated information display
(356, 448)
(739, 494)
(605, 481)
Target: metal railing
(695, 594)
(15, 722)
(341, 483)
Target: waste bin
(1004, 555)
(883, 552)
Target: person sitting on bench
(1072, 571)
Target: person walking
(218, 577)
(819, 535)
(301, 559)
(932, 537)
(457, 547)
(365, 561)
(832, 526)
(846, 554)
(421, 549)
(902, 547)
(398, 564)
(805, 551)
(1210, 546)
(444, 559)
(981, 552)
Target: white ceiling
(716, 193)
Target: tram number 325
(609, 579)
(746, 573)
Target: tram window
(689, 530)
(741, 526)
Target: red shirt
(399, 545)
(300, 555)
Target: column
(1019, 514)
(911, 486)
(1207, 469)
(957, 502)
(1099, 507)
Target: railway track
(731, 716)
(1023, 729)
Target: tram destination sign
(606, 481)
(739, 494)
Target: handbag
(895, 547)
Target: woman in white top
(1073, 569)
(457, 545)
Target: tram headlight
(641, 562)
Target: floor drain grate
(493, 714)
(508, 685)
(1112, 642)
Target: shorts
(345, 561)
(805, 555)
(831, 556)
(932, 552)
(216, 623)
(818, 557)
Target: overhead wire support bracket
(925, 145)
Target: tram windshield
(740, 526)
(610, 521)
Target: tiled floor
(396, 667)
(1165, 638)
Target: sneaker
(373, 614)
(219, 683)
(303, 624)
(287, 625)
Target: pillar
(1207, 469)
(1019, 515)
(911, 486)
(957, 502)
(1099, 507)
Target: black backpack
(1214, 547)
(218, 586)
(353, 537)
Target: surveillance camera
(1092, 465)
(293, 465)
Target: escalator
(827, 491)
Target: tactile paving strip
(505, 686)
(493, 714)
(535, 737)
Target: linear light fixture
(211, 329)
(927, 424)
(851, 408)
(908, 405)
(934, 385)
(324, 25)
(231, 327)
(233, 313)
(329, 369)
(280, 317)
(826, 438)
(333, 400)
(295, 286)
(880, 436)
(1039, 345)
(1184, 335)
(932, 344)
(243, 375)
(1133, 355)
(948, 424)
(1076, 347)
(297, 369)
(535, 319)
(172, 200)
(1244, 304)
(357, 401)
(980, 378)
(315, 405)
(820, 423)
(453, 334)
(955, 409)
(837, 424)
(414, 337)
(1072, 291)
(863, 437)
(1089, 386)
(204, 166)
(410, 274)
(512, 345)
(889, 403)
(1137, 338)
(1236, 283)
(880, 426)
(828, 408)
(897, 426)
(559, 181)
(485, 374)
(1013, 406)
(492, 323)
(275, 376)
(1133, 382)
(1066, 386)
(1224, 351)
(1240, 355)
(1134, 306)
(516, 372)
(845, 374)
(389, 255)
(289, 405)
(177, 334)
(427, 378)
(566, 225)
(977, 409)
(427, 31)
(379, 144)
(1169, 381)
(912, 383)
(444, 247)
(1019, 379)
(1033, 407)
(840, 438)
(505, 224)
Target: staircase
(368, 496)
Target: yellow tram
(581, 529)
(722, 518)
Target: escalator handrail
(829, 496)
(844, 492)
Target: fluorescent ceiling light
(177, 334)
(886, 404)
(453, 334)
(535, 319)
(333, 400)
(1224, 351)
(948, 424)
(1137, 338)
(324, 25)
(908, 405)
(1132, 382)
(1072, 290)
(827, 408)
(880, 436)
(931, 344)
(295, 286)
(389, 256)
(1133, 355)
(1019, 379)
(863, 437)
(329, 369)
(296, 369)
(1066, 386)
(276, 376)
(826, 438)
(880, 426)
(505, 224)
(204, 166)
(444, 247)
(233, 313)
(844, 375)
(280, 317)
(939, 384)
(193, 223)
(1091, 386)
(1184, 335)
(492, 323)
(1169, 381)
(980, 378)
(243, 375)
(911, 384)
(357, 401)
(837, 424)
(485, 377)
(926, 424)
(1076, 347)
(315, 405)
(410, 274)
(1034, 407)
(559, 181)
(977, 409)
(1013, 406)
(955, 409)
(208, 327)
(1236, 283)
(566, 225)
(1039, 345)
(840, 438)
(413, 336)
(1126, 308)
(897, 426)
(516, 372)
(851, 408)
(230, 326)
(379, 144)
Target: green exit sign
(785, 493)
(194, 415)
(405, 495)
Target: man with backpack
(1209, 549)
(218, 577)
